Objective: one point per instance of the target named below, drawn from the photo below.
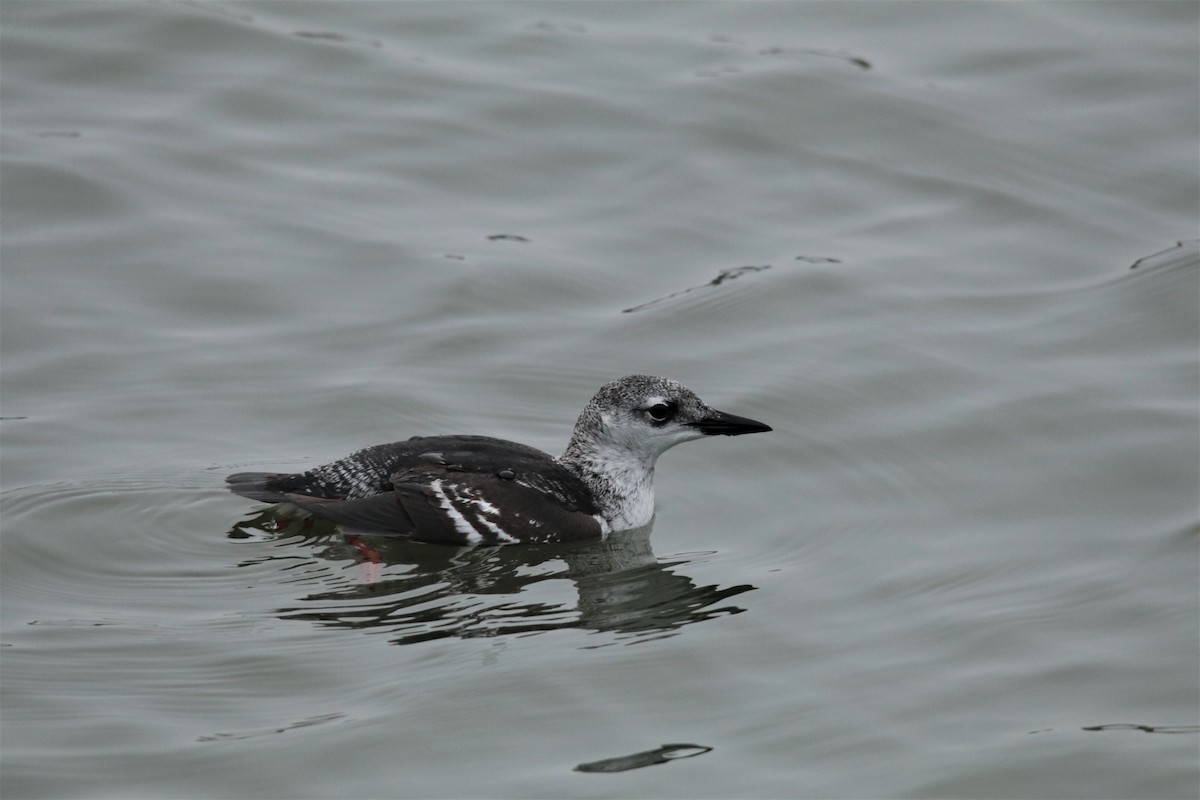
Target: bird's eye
(660, 412)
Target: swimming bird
(471, 490)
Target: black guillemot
(472, 490)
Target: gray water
(262, 235)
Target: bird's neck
(621, 481)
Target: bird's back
(391, 487)
(369, 471)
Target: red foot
(368, 572)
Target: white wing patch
(502, 536)
(460, 522)
(470, 513)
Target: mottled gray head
(646, 415)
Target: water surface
(262, 235)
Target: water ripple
(414, 592)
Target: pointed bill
(720, 423)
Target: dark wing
(459, 489)
(462, 508)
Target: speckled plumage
(480, 490)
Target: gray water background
(261, 235)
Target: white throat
(621, 481)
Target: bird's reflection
(420, 592)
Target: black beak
(729, 425)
